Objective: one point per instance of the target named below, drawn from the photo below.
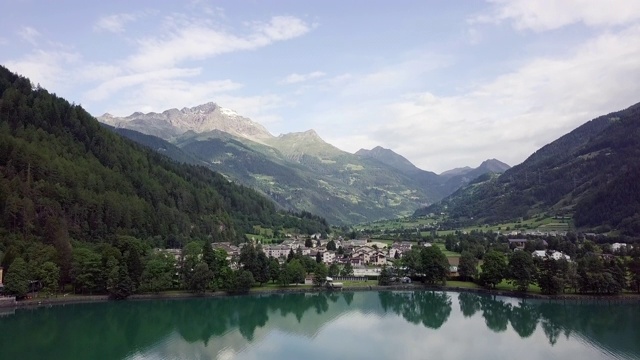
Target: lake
(344, 325)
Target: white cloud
(151, 79)
(117, 84)
(97, 72)
(161, 91)
(203, 6)
(280, 28)
(542, 15)
(260, 108)
(407, 74)
(29, 35)
(201, 40)
(515, 113)
(47, 68)
(298, 78)
(114, 23)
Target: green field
(447, 252)
(403, 223)
(463, 284)
(504, 286)
(535, 223)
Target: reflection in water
(430, 308)
(524, 319)
(495, 314)
(469, 304)
(235, 326)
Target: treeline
(66, 180)
(131, 266)
(592, 268)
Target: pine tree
(124, 287)
(320, 274)
(17, 278)
(208, 256)
(347, 270)
(385, 277)
(468, 266)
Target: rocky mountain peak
(199, 119)
(309, 135)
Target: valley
(299, 171)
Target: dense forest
(68, 182)
(591, 172)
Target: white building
(555, 255)
(276, 251)
(618, 246)
(328, 257)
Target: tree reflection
(495, 314)
(115, 330)
(559, 318)
(524, 319)
(469, 304)
(430, 308)
(348, 297)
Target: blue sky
(446, 84)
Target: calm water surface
(361, 325)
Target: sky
(444, 83)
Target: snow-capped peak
(228, 112)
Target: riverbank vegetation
(551, 265)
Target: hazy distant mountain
(491, 165)
(389, 157)
(297, 170)
(456, 172)
(456, 178)
(592, 173)
(426, 179)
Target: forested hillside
(592, 172)
(66, 180)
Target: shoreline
(82, 299)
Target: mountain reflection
(116, 330)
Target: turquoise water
(360, 325)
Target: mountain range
(299, 171)
(591, 174)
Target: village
(364, 256)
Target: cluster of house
(358, 253)
(536, 233)
(519, 244)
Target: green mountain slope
(65, 178)
(299, 171)
(590, 171)
(303, 172)
(159, 145)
